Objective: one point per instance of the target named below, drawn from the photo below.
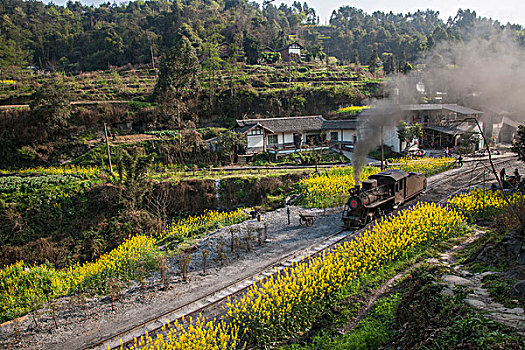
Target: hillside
(75, 38)
(101, 66)
(138, 84)
(123, 100)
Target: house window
(334, 136)
(272, 139)
(257, 131)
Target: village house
(501, 126)
(444, 125)
(291, 52)
(292, 133)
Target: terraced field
(135, 83)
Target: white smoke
(485, 73)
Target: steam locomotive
(379, 194)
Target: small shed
(291, 52)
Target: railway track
(471, 171)
(154, 325)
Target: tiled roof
(446, 130)
(296, 124)
(434, 106)
(245, 128)
(459, 129)
(348, 124)
(508, 121)
(277, 125)
(287, 46)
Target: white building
(290, 133)
(291, 52)
(444, 125)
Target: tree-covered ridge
(82, 38)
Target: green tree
(519, 145)
(389, 63)
(229, 144)
(51, 105)
(236, 53)
(439, 34)
(373, 62)
(186, 32)
(252, 48)
(133, 174)
(355, 57)
(212, 62)
(403, 66)
(409, 132)
(177, 79)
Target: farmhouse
(291, 133)
(501, 126)
(291, 52)
(444, 125)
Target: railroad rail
(155, 324)
(472, 172)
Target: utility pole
(152, 57)
(210, 75)
(382, 151)
(107, 148)
(484, 179)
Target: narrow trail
(384, 289)
(478, 298)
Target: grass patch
(499, 289)
(371, 332)
(475, 247)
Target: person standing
(502, 174)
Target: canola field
(25, 287)
(330, 188)
(287, 303)
(281, 305)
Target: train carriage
(381, 193)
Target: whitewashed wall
(348, 135)
(254, 141)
